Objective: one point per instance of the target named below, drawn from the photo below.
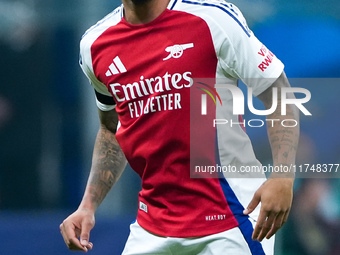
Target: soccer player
(142, 60)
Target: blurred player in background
(141, 60)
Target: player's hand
(76, 230)
(276, 196)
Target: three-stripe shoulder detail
(116, 15)
(227, 8)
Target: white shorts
(231, 242)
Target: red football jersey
(149, 72)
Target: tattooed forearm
(107, 165)
(283, 138)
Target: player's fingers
(90, 246)
(86, 227)
(259, 225)
(70, 239)
(75, 245)
(253, 204)
(276, 225)
(266, 226)
(285, 217)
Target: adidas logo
(116, 67)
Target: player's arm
(276, 193)
(108, 163)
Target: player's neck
(138, 12)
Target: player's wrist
(88, 205)
(283, 170)
(87, 209)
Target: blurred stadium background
(48, 123)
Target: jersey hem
(187, 232)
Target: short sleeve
(244, 57)
(104, 99)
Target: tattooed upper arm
(267, 96)
(109, 120)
